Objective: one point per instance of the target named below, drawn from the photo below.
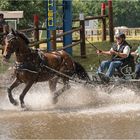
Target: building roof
(12, 14)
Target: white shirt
(126, 50)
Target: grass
(92, 59)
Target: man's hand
(113, 52)
(98, 51)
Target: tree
(30, 8)
(125, 13)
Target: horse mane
(23, 36)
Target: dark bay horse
(33, 66)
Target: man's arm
(135, 53)
(104, 52)
(124, 54)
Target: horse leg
(53, 83)
(15, 83)
(66, 83)
(60, 91)
(26, 89)
(52, 86)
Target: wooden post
(110, 15)
(82, 36)
(103, 7)
(53, 41)
(135, 32)
(36, 31)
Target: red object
(109, 3)
(36, 19)
(103, 6)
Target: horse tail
(81, 72)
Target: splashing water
(78, 97)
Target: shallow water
(80, 113)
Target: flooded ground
(80, 113)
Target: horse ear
(13, 32)
(16, 32)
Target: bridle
(12, 47)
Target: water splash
(78, 97)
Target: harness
(25, 67)
(33, 61)
(63, 61)
(37, 61)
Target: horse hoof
(68, 86)
(25, 109)
(55, 100)
(15, 103)
(23, 106)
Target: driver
(120, 53)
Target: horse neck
(22, 53)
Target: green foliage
(89, 8)
(126, 12)
(29, 7)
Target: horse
(32, 66)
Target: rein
(31, 71)
(99, 59)
(87, 83)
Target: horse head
(8, 45)
(13, 42)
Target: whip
(94, 47)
